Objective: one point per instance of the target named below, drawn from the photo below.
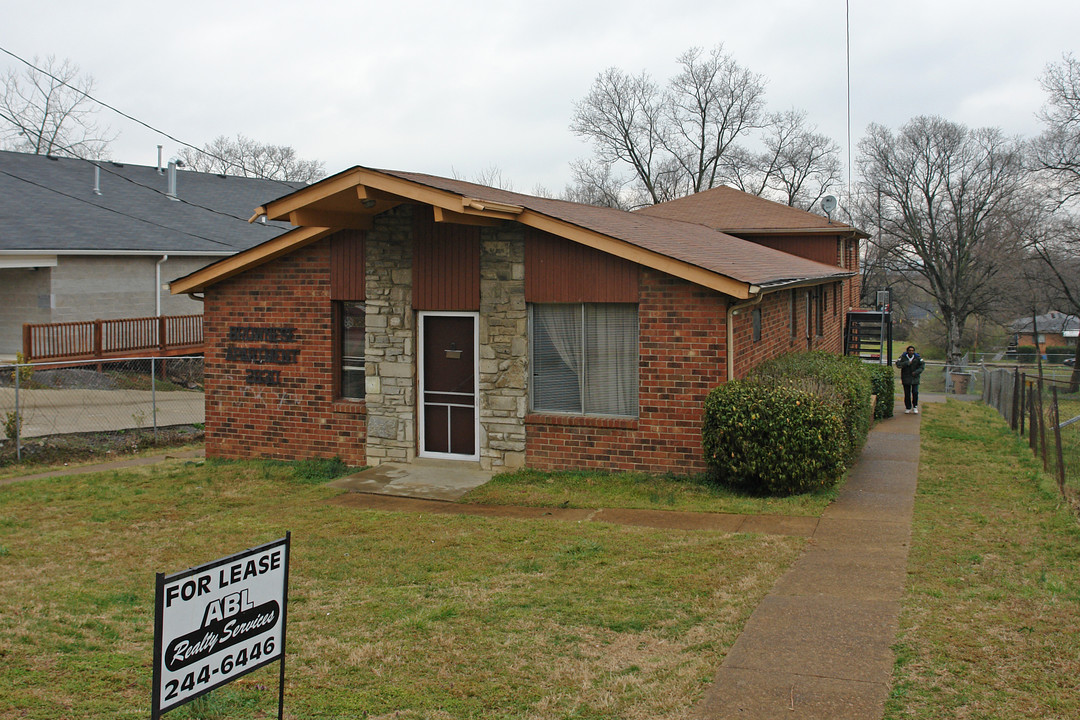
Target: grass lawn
(990, 626)
(390, 615)
(592, 489)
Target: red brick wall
(299, 418)
(683, 357)
(683, 343)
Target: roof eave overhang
(790, 284)
(378, 191)
(153, 253)
(846, 230)
(238, 263)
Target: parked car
(1070, 361)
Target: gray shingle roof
(48, 205)
(1052, 322)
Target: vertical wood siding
(347, 265)
(446, 265)
(558, 270)
(819, 248)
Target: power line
(118, 212)
(228, 163)
(151, 188)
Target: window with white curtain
(584, 358)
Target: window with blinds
(584, 358)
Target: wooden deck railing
(167, 335)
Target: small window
(822, 300)
(794, 314)
(756, 316)
(584, 358)
(809, 300)
(352, 350)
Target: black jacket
(910, 368)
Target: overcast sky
(457, 87)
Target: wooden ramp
(164, 336)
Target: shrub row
(883, 384)
(792, 425)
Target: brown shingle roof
(730, 210)
(689, 250)
(690, 242)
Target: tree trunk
(953, 330)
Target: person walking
(911, 367)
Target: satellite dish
(828, 204)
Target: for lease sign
(218, 621)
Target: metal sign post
(220, 621)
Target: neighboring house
(1053, 329)
(411, 316)
(88, 241)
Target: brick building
(408, 315)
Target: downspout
(732, 310)
(157, 283)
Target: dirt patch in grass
(992, 607)
(41, 454)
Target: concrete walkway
(819, 645)
(422, 478)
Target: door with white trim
(449, 387)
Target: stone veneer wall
(391, 344)
(504, 350)
(389, 340)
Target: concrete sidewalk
(819, 645)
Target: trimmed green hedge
(773, 440)
(791, 425)
(846, 377)
(1058, 353)
(1025, 353)
(883, 384)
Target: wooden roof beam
(330, 218)
(236, 264)
(280, 209)
(449, 216)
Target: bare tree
(595, 183)
(1056, 159)
(946, 193)
(245, 157)
(1056, 151)
(491, 176)
(798, 165)
(48, 111)
(672, 140)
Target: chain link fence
(146, 394)
(1041, 410)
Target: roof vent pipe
(173, 164)
(97, 179)
(159, 170)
